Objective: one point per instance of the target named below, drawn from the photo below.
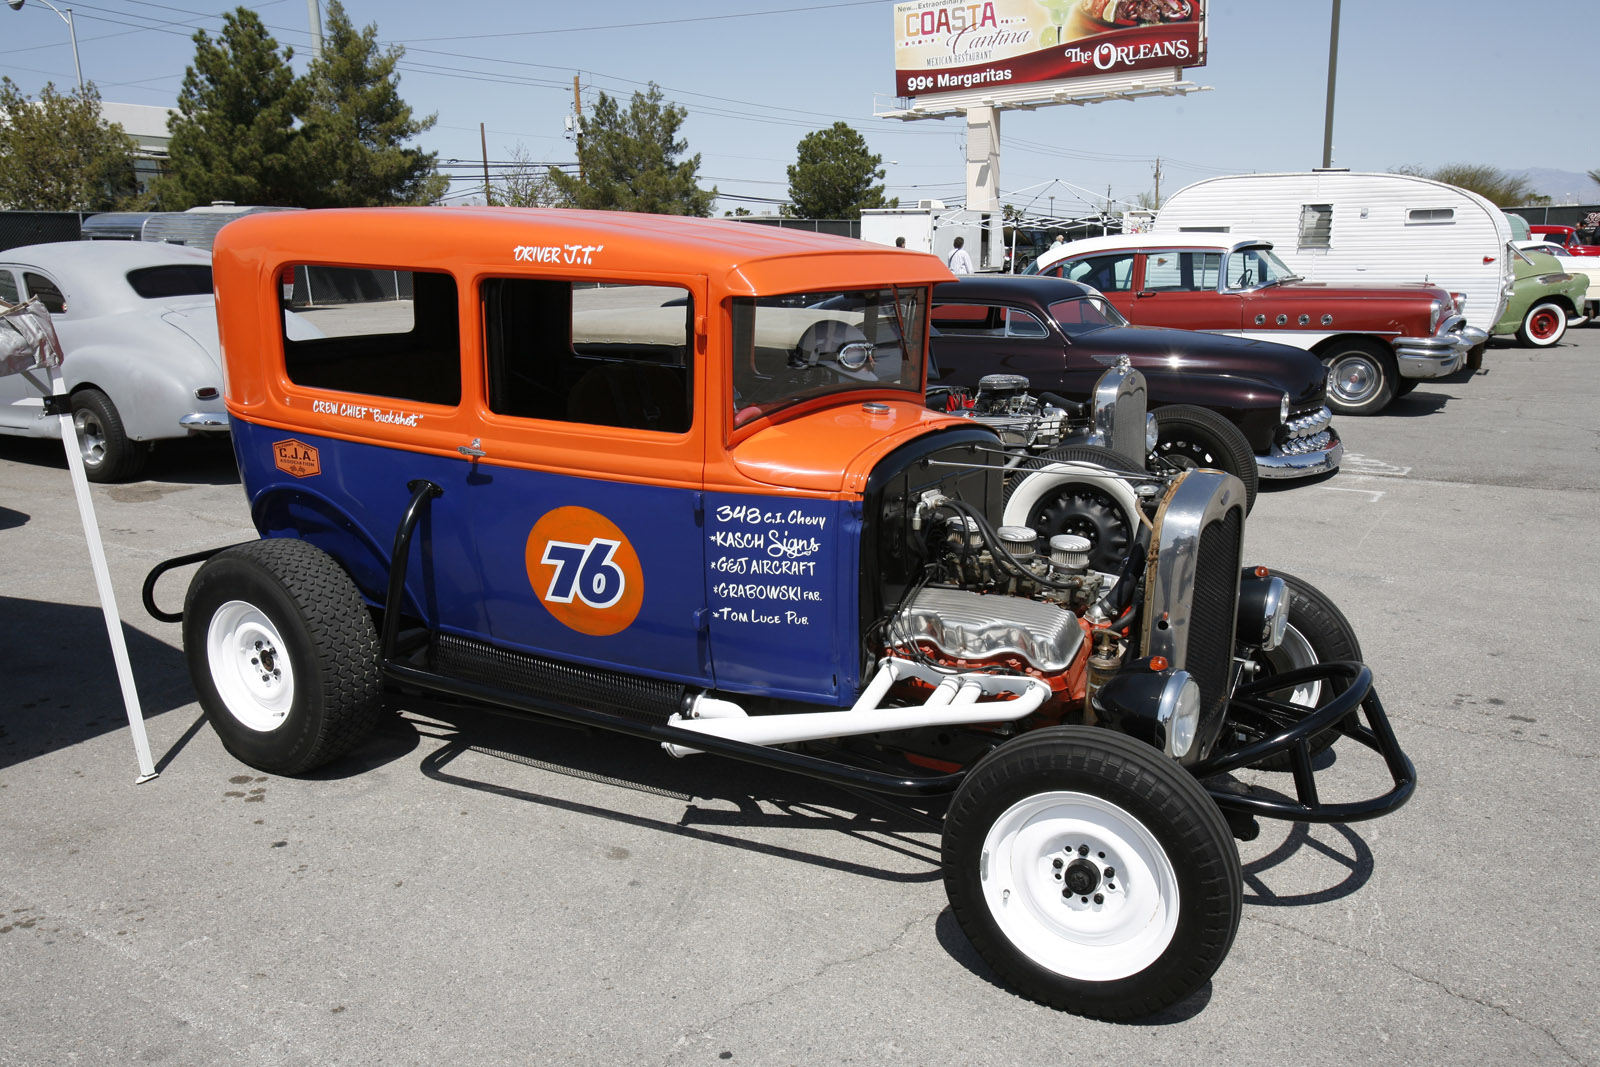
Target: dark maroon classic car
(1062, 334)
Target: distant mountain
(1563, 186)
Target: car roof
(1024, 288)
(1117, 242)
(741, 257)
(103, 257)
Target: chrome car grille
(1299, 446)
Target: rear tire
(1361, 377)
(1190, 436)
(109, 455)
(283, 654)
(1092, 872)
(1543, 325)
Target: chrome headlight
(1263, 609)
(1152, 433)
(1180, 712)
(1435, 313)
(1283, 409)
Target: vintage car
(1572, 264)
(676, 478)
(1565, 236)
(138, 327)
(1377, 341)
(1545, 297)
(1061, 335)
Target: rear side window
(1316, 226)
(8, 287)
(47, 292)
(1109, 274)
(596, 354)
(186, 279)
(381, 332)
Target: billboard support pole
(983, 181)
(1333, 70)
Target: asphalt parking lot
(430, 900)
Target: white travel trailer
(931, 227)
(1338, 226)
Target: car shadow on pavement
(721, 798)
(10, 519)
(61, 682)
(188, 461)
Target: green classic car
(1544, 298)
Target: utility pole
(314, 15)
(1157, 204)
(1333, 69)
(577, 127)
(483, 139)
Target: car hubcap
(1088, 513)
(1187, 454)
(1543, 325)
(1080, 886)
(91, 438)
(1352, 379)
(250, 666)
(1292, 653)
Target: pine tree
(59, 154)
(234, 136)
(357, 126)
(832, 175)
(629, 160)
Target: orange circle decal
(584, 571)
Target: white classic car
(138, 329)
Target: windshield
(1253, 268)
(1085, 314)
(793, 348)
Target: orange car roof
(741, 257)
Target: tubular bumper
(1288, 728)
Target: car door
(1180, 288)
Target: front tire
(1543, 325)
(1092, 872)
(283, 654)
(1317, 633)
(1361, 377)
(1190, 436)
(109, 455)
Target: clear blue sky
(1429, 83)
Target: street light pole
(1333, 67)
(16, 5)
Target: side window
(8, 287)
(1182, 271)
(972, 320)
(1316, 226)
(45, 289)
(382, 332)
(1021, 323)
(1109, 274)
(598, 354)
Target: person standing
(960, 262)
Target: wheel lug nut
(1099, 899)
(1083, 850)
(1057, 864)
(1111, 872)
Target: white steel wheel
(1080, 886)
(250, 666)
(1092, 872)
(1293, 653)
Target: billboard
(945, 46)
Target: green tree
(527, 184)
(1594, 176)
(629, 160)
(356, 125)
(833, 173)
(59, 155)
(1499, 187)
(234, 137)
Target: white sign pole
(102, 581)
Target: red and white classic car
(1377, 341)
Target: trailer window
(1316, 225)
(1430, 214)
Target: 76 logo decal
(584, 571)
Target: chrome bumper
(1301, 457)
(205, 422)
(1436, 356)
